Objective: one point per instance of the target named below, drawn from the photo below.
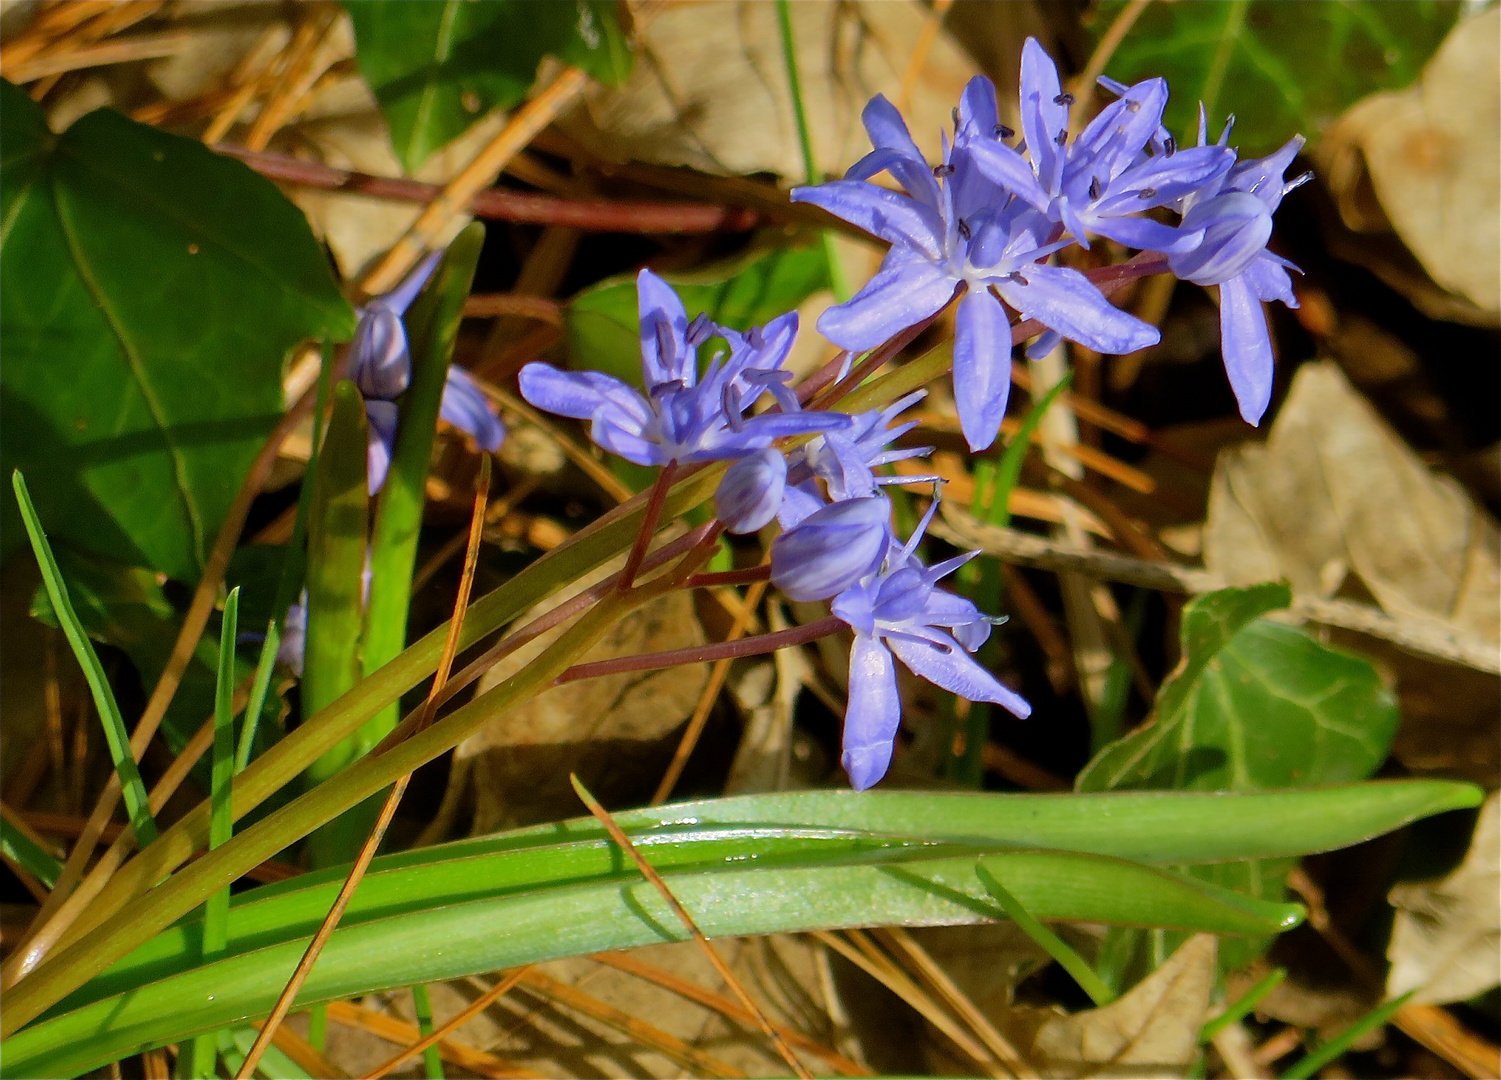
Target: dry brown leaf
(710, 86)
(1430, 157)
(766, 693)
(1446, 943)
(612, 731)
(1151, 1031)
(1335, 492)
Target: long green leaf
(131, 787)
(29, 855)
(613, 909)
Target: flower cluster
(979, 228)
(985, 218)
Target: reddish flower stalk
(648, 528)
(725, 650)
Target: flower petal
(1009, 169)
(1269, 280)
(895, 218)
(1043, 116)
(379, 360)
(665, 355)
(832, 549)
(465, 407)
(1246, 346)
(1066, 301)
(982, 366)
(580, 394)
(751, 492)
(1146, 234)
(888, 131)
(380, 425)
(905, 291)
(874, 714)
(951, 668)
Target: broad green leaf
(601, 321)
(437, 66)
(1281, 66)
(143, 344)
(1253, 704)
(745, 865)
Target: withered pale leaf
(710, 86)
(1334, 491)
(1152, 1031)
(1431, 157)
(1446, 943)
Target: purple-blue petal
(907, 289)
(1010, 170)
(465, 407)
(895, 218)
(664, 322)
(1066, 301)
(750, 494)
(1246, 346)
(831, 549)
(380, 425)
(951, 668)
(379, 361)
(1043, 117)
(982, 366)
(580, 394)
(1236, 227)
(1146, 234)
(874, 714)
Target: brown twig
(303, 57)
(624, 842)
(123, 51)
(439, 1036)
(733, 649)
(708, 999)
(393, 799)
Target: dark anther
(1001, 131)
(1062, 138)
(1147, 193)
(1094, 187)
(1016, 276)
(964, 229)
(943, 170)
(955, 114)
(1064, 98)
(1169, 146)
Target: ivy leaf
(1253, 705)
(1280, 68)
(143, 345)
(437, 67)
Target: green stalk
(1243, 1005)
(1054, 945)
(1336, 1046)
(199, 1062)
(432, 327)
(422, 1005)
(115, 735)
(336, 563)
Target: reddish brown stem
(648, 528)
(495, 204)
(724, 650)
(744, 576)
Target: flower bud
(1236, 228)
(831, 549)
(379, 361)
(751, 492)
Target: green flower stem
(1054, 945)
(70, 967)
(422, 1006)
(131, 786)
(432, 324)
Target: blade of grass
(21, 847)
(422, 1007)
(115, 734)
(1242, 1006)
(624, 842)
(475, 1007)
(1054, 945)
(1312, 1063)
(393, 799)
(199, 1062)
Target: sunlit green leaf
(143, 344)
(1281, 66)
(437, 66)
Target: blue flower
(898, 611)
(956, 228)
(682, 417)
(380, 363)
(1123, 162)
(1235, 216)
